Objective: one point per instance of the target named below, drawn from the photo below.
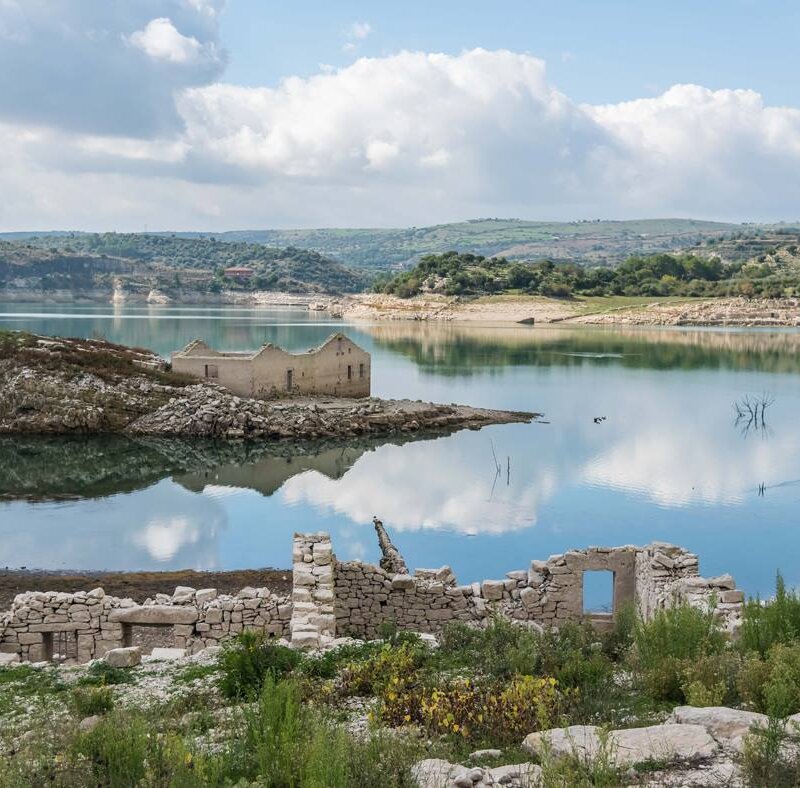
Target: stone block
(123, 657)
(493, 590)
(154, 614)
(205, 595)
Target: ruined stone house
(338, 367)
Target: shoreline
(497, 310)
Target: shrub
(101, 674)
(711, 680)
(771, 622)
(246, 662)
(666, 643)
(92, 700)
(116, 750)
(766, 760)
(772, 686)
(389, 666)
(480, 711)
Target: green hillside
(586, 242)
(168, 263)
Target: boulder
(668, 742)
(123, 657)
(8, 659)
(89, 723)
(727, 726)
(168, 653)
(438, 773)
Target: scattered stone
(167, 653)
(89, 723)
(123, 657)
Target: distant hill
(168, 263)
(584, 242)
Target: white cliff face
(119, 295)
(157, 297)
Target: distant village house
(338, 367)
(239, 272)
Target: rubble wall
(331, 599)
(82, 626)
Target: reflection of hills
(457, 350)
(268, 474)
(39, 468)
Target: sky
(234, 114)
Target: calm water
(669, 462)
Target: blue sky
(597, 51)
(232, 114)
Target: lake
(669, 462)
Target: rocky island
(54, 385)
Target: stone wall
(547, 593)
(333, 599)
(338, 367)
(84, 625)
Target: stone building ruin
(338, 367)
(332, 599)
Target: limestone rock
(438, 773)
(728, 726)
(123, 657)
(89, 723)
(168, 653)
(154, 614)
(8, 659)
(628, 746)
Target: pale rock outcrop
(128, 657)
(625, 747)
(438, 773)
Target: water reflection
(667, 463)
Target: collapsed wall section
(80, 626)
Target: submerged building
(338, 367)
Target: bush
(248, 660)
(666, 644)
(772, 686)
(711, 680)
(481, 711)
(101, 674)
(92, 700)
(771, 622)
(389, 666)
(116, 750)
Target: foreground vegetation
(688, 275)
(363, 713)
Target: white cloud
(411, 138)
(161, 40)
(360, 30)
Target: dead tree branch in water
(391, 561)
(751, 413)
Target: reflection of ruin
(42, 468)
(269, 474)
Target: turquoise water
(668, 463)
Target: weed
(88, 701)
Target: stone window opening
(598, 593)
(212, 371)
(349, 371)
(289, 379)
(361, 371)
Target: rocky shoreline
(53, 386)
(741, 312)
